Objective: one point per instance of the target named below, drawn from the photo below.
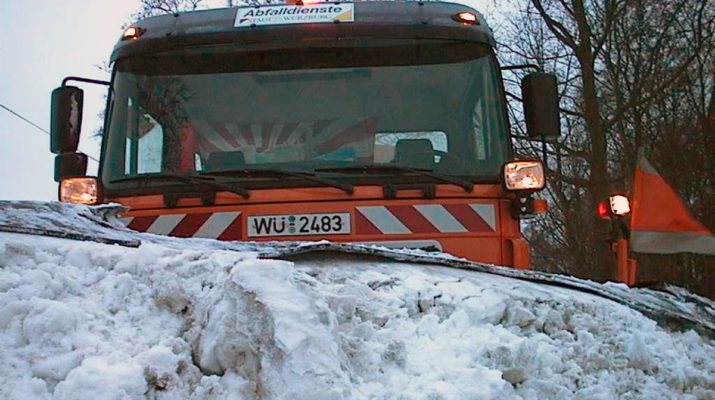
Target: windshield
(432, 107)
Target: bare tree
(633, 73)
(150, 8)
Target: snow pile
(671, 306)
(82, 320)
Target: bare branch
(558, 29)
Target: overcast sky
(43, 42)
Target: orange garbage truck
(366, 122)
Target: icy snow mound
(671, 307)
(84, 320)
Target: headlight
(81, 190)
(619, 205)
(524, 175)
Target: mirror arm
(520, 66)
(87, 80)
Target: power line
(24, 119)
(34, 124)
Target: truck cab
(368, 122)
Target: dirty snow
(83, 320)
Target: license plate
(299, 224)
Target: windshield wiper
(280, 172)
(377, 168)
(185, 179)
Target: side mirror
(70, 165)
(66, 119)
(541, 106)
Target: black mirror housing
(66, 119)
(541, 106)
(70, 165)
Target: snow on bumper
(82, 320)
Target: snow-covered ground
(174, 319)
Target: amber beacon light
(132, 32)
(81, 190)
(466, 18)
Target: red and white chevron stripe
(426, 218)
(369, 220)
(220, 225)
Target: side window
(386, 142)
(487, 116)
(130, 164)
(144, 141)
(480, 130)
(150, 143)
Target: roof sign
(294, 14)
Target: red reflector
(539, 206)
(603, 210)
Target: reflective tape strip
(216, 224)
(363, 226)
(438, 216)
(668, 242)
(412, 219)
(165, 224)
(427, 218)
(141, 224)
(383, 220)
(488, 214)
(394, 220)
(185, 225)
(190, 224)
(468, 217)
